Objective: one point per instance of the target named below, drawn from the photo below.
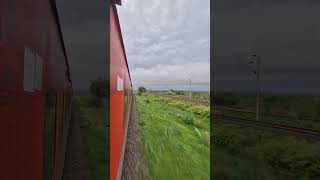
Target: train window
(38, 73)
(2, 32)
(33, 65)
(49, 133)
(119, 84)
(29, 70)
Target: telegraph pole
(190, 89)
(258, 89)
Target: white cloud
(166, 39)
(171, 74)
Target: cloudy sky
(167, 42)
(285, 33)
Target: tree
(99, 88)
(142, 90)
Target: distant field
(196, 95)
(94, 131)
(173, 147)
(240, 153)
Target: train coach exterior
(120, 95)
(35, 91)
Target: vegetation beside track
(201, 96)
(293, 110)
(174, 148)
(244, 153)
(94, 132)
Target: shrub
(179, 93)
(141, 123)
(99, 88)
(141, 90)
(202, 111)
(188, 120)
(288, 157)
(94, 101)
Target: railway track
(309, 134)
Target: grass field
(173, 147)
(245, 153)
(195, 95)
(94, 131)
(240, 153)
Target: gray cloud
(166, 40)
(285, 34)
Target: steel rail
(299, 130)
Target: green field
(173, 147)
(95, 134)
(195, 95)
(243, 153)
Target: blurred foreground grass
(173, 147)
(95, 134)
(242, 153)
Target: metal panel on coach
(34, 80)
(120, 95)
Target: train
(35, 91)
(120, 94)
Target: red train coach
(35, 91)
(120, 94)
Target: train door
(49, 134)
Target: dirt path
(134, 165)
(76, 163)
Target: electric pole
(258, 90)
(190, 89)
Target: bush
(99, 88)
(188, 120)
(141, 123)
(179, 93)
(202, 111)
(94, 101)
(289, 158)
(286, 156)
(141, 90)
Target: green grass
(243, 153)
(95, 134)
(196, 95)
(173, 148)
